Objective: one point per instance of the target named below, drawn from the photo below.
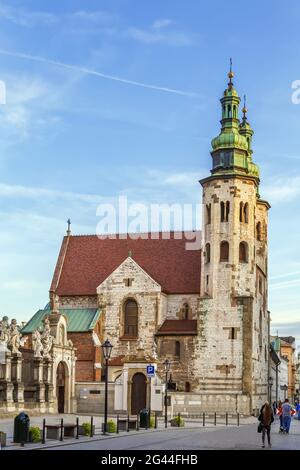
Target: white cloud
(156, 37)
(89, 71)
(285, 284)
(26, 18)
(17, 191)
(282, 189)
(161, 23)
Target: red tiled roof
(177, 327)
(86, 261)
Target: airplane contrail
(96, 73)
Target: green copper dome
(232, 148)
(229, 140)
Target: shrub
(178, 421)
(35, 434)
(87, 428)
(152, 422)
(111, 426)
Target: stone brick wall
(78, 301)
(83, 342)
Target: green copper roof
(229, 140)
(232, 148)
(79, 319)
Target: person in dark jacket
(266, 418)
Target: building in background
(287, 350)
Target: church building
(206, 310)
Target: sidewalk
(6, 425)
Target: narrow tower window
(260, 330)
(222, 211)
(207, 253)
(229, 111)
(241, 211)
(227, 211)
(246, 212)
(185, 311)
(258, 231)
(243, 252)
(177, 349)
(224, 251)
(234, 111)
(208, 213)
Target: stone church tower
(232, 350)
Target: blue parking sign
(150, 371)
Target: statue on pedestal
(47, 339)
(37, 343)
(14, 337)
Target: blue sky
(122, 97)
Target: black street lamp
(285, 387)
(270, 388)
(167, 365)
(106, 351)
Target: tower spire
(69, 227)
(230, 75)
(244, 111)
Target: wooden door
(138, 393)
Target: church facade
(205, 310)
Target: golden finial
(230, 73)
(244, 110)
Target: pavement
(192, 437)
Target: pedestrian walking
(298, 410)
(266, 419)
(279, 412)
(286, 416)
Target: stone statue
(14, 337)
(4, 330)
(47, 339)
(140, 344)
(37, 343)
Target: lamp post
(106, 351)
(270, 388)
(167, 366)
(285, 387)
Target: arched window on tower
(224, 111)
(224, 251)
(227, 211)
(207, 253)
(243, 252)
(246, 213)
(234, 112)
(208, 213)
(229, 111)
(258, 231)
(130, 318)
(241, 211)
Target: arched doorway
(138, 393)
(61, 387)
